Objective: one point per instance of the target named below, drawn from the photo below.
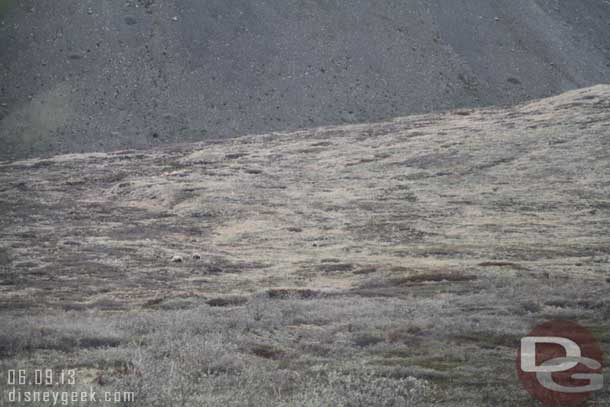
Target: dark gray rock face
(87, 76)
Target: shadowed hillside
(101, 75)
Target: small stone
(196, 256)
(130, 20)
(177, 259)
(174, 18)
(90, 11)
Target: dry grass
(392, 264)
(343, 350)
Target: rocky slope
(99, 76)
(454, 196)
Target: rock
(130, 20)
(196, 256)
(177, 259)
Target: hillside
(99, 76)
(415, 249)
(527, 185)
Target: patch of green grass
(429, 277)
(180, 303)
(367, 339)
(441, 364)
(227, 301)
(509, 264)
(4, 5)
(400, 353)
(292, 293)
(406, 356)
(391, 361)
(490, 340)
(4, 254)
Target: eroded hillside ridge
(461, 193)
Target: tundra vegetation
(386, 264)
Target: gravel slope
(96, 76)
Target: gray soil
(96, 76)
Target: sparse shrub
(59, 333)
(531, 307)
(267, 351)
(434, 277)
(406, 334)
(292, 293)
(227, 301)
(367, 339)
(282, 351)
